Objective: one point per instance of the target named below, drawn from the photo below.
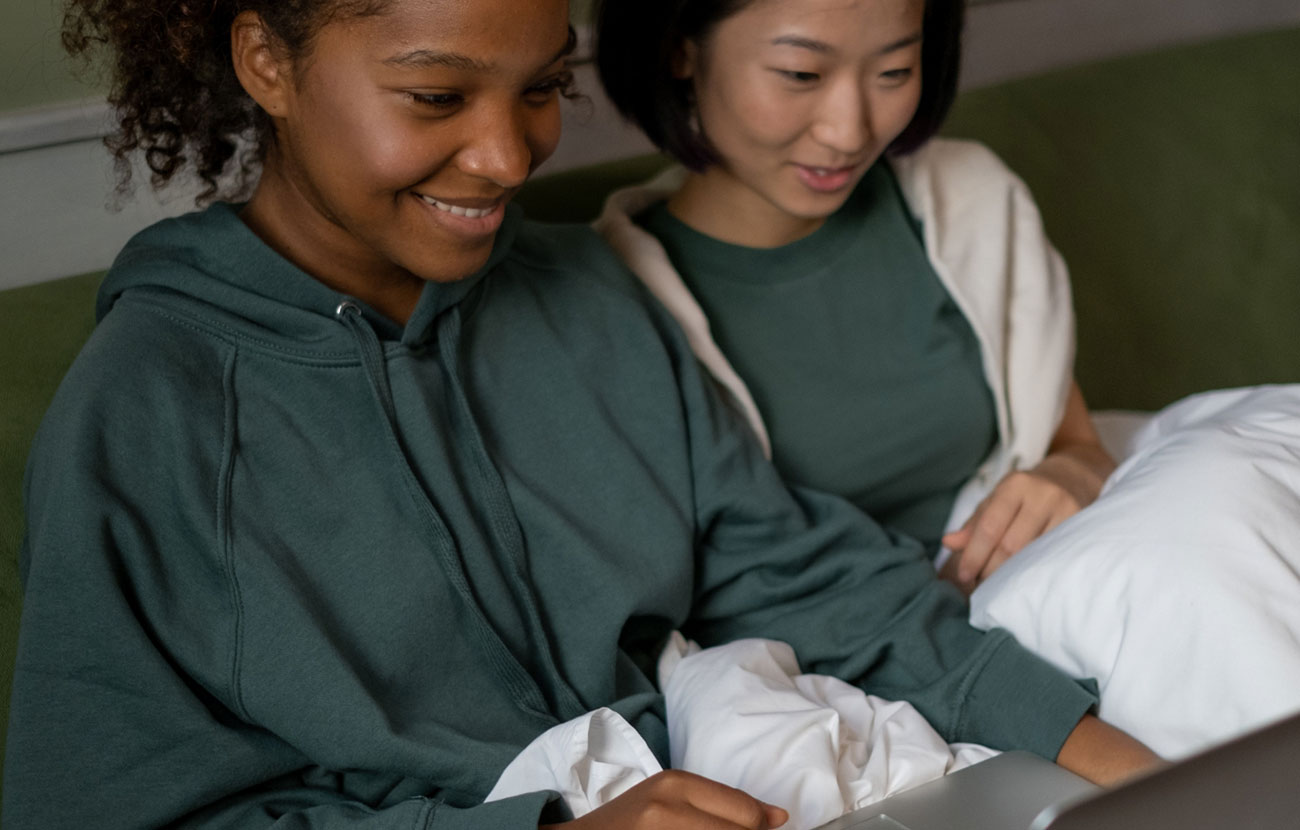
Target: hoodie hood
(213, 257)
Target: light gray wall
(33, 69)
(35, 72)
(1013, 38)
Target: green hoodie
(287, 561)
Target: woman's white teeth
(457, 210)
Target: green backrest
(43, 327)
(1170, 182)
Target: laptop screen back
(1252, 782)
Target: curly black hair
(173, 83)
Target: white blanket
(1179, 589)
(743, 715)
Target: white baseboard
(53, 125)
(57, 178)
(57, 218)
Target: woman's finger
(989, 529)
(677, 800)
(1030, 523)
(729, 807)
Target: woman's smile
(397, 151)
(468, 217)
(777, 86)
(828, 179)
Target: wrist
(1081, 469)
(1103, 754)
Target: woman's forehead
(830, 11)
(473, 34)
(851, 24)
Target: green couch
(1169, 181)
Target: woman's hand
(674, 800)
(1028, 503)
(1023, 506)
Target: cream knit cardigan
(984, 237)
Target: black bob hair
(636, 41)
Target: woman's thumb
(776, 816)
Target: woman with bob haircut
(362, 484)
(882, 305)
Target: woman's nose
(498, 148)
(844, 122)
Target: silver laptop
(1251, 783)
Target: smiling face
(798, 98)
(400, 136)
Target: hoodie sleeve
(124, 713)
(854, 601)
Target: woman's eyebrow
(802, 43)
(423, 58)
(821, 47)
(901, 43)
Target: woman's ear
(261, 67)
(685, 60)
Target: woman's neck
(286, 220)
(716, 204)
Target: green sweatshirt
(289, 564)
(869, 378)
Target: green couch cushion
(578, 195)
(44, 327)
(1171, 184)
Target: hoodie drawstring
(504, 527)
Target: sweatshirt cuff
(1017, 700)
(521, 812)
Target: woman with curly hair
(361, 485)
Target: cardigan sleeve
(985, 239)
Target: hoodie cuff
(1019, 701)
(520, 812)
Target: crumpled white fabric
(589, 761)
(742, 714)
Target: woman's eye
(437, 100)
(542, 92)
(897, 76)
(798, 76)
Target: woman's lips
(825, 179)
(463, 219)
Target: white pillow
(1179, 589)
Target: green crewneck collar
(814, 253)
